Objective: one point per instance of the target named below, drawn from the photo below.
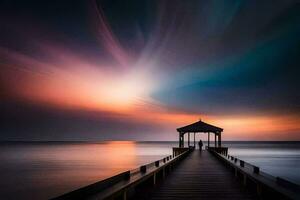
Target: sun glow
(72, 83)
(103, 94)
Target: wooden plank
(200, 176)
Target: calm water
(45, 170)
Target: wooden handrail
(262, 180)
(118, 185)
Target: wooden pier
(190, 174)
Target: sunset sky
(109, 70)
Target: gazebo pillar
(194, 139)
(215, 140)
(220, 143)
(181, 140)
(208, 139)
(188, 139)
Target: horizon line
(3, 141)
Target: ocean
(42, 170)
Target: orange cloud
(71, 83)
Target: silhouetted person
(200, 143)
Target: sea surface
(42, 170)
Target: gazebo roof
(199, 126)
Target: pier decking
(191, 174)
(200, 176)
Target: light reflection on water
(44, 170)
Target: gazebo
(200, 127)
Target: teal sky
(86, 70)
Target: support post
(259, 189)
(125, 195)
(188, 139)
(181, 140)
(208, 139)
(215, 140)
(154, 179)
(194, 140)
(245, 180)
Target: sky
(137, 70)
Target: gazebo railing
(220, 150)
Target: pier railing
(265, 185)
(124, 184)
